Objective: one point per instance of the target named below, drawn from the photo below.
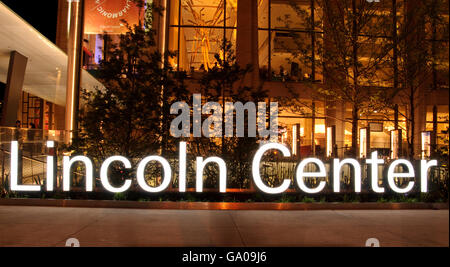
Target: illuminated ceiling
(45, 75)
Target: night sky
(42, 14)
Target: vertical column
(313, 130)
(62, 30)
(164, 21)
(332, 78)
(340, 128)
(307, 139)
(330, 124)
(13, 91)
(247, 39)
(331, 149)
(158, 25)
(59, 117)
(420, 123)
(368, 146)
(434, 132)
(75, 46)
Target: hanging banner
(106, 16)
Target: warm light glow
(394, 144)
(164, 33)
(424, 167)
(426, 144)
(329, 141)
(14, 171)
(319, 128)
(363, 143)
(300, 174)
(374, 161)
(294, 139)
(182, 166)
(50, 168)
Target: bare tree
(417, 38)
(350, 49)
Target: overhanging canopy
(46, 72)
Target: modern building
(32, 75)
(286, 42)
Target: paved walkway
(48, 226)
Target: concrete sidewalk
(49, 226)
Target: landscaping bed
(183, 205)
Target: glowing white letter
(50, 168)
(14, 171)
(104, 174)
(392, 174)
(141, 174)
(337, 165)
(424, 166)
(222, 172)
(255, 169)
(182, 168)
(301, 174)
(374, 161)
(67, 165)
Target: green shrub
(120, 196)
(308, 199)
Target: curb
(219, 205)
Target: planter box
(218, 205)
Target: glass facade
(291, 44)
(303, 129)
(289, 40)
(437, 117)
(197, 30)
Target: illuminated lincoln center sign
(392, 172)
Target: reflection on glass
(198, 29)
(288, 44)
(263, 14)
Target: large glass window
(198, 29)
(437, 34)
(442, 125)
(375, 42)
(302, 127)
(289, 39)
